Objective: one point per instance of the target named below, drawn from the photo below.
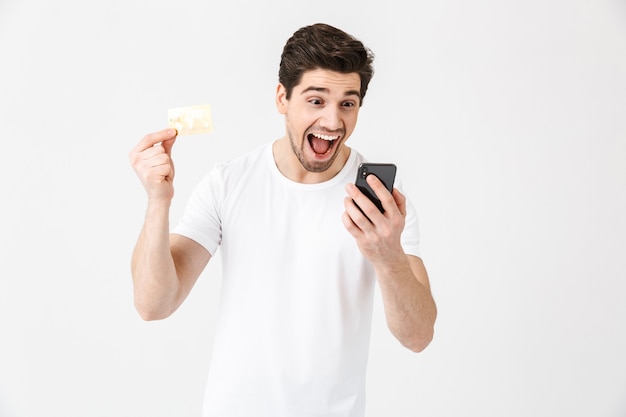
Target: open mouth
(322, 144)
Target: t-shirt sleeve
(201, 220)
(410, 238)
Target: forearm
(409, 306)
(155, 281)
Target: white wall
(508, 117)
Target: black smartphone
(386, 173)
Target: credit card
(191, 120)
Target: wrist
(159, 205)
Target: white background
(507, 120)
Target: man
(300, 260)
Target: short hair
(321, 46)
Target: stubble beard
(311, 166)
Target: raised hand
(151, 159)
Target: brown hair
(321, 46)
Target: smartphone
(386, 172)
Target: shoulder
(240, 166)
(229, 175)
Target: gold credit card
(191, 120)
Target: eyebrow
(327, 91)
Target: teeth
(325, 137)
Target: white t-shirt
(292, 338)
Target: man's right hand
(152, 161)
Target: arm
(409, 306)
(410, 309)
(164, 267)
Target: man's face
(320, 116)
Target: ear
(281, 99)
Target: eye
(348, 104)
(315, 101)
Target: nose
(331, 118)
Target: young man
(300, 260)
